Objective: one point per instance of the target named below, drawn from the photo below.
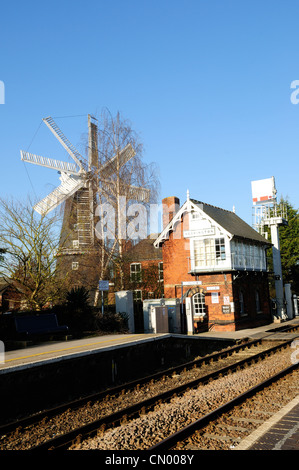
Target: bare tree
(126, 186)
(30, 243)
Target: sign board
(103, 285)
(199, 232)
(225, 308)
(192, 283)
(263, 191)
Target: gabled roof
(4, 284)
(144, 251)
(229, 221)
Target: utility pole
(269, 213)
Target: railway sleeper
(232, 428)
(221, 438)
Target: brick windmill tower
(80, 185)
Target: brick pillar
(170, 205)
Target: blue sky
(206, 84)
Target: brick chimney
(170, 206)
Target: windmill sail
(139, 194)
(49, 163)
(68, 187)
(124, 156)
(72, 151)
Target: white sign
(213, 288)
(199, 232)
(263, 191)
(226, 299)
(215, 297)
(103, 285)
(192, 283)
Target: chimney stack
(170, 207)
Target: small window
(137, 295)
(199, 305)
(220, 248)
(161, 274)
(257, 302)
(75, 265)
(241, 302)
(135, 272)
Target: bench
(39, 324)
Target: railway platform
(58, 350)
(38, 354)
(280, 432)
(101, 360)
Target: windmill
(81, 181)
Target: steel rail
(5, 428)
(184, 433)
(64, 441)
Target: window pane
(220, 248)
(135, 272)
(199, 304)
(161, 277)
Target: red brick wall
(176, 263)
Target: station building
(216, 264)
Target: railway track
(189, 376)
(227, 425)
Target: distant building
(216, 263)
(11, 298)
(143, 269)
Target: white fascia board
(188, 206)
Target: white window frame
(210, 252)
(75, 266)
(198, 304)
(161, 272)
(137, 294)
(135, 275)
(248, 256)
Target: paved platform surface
(281, 432)
(254, 333)
(36, 354)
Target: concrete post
(277, 270)
(288, 297)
